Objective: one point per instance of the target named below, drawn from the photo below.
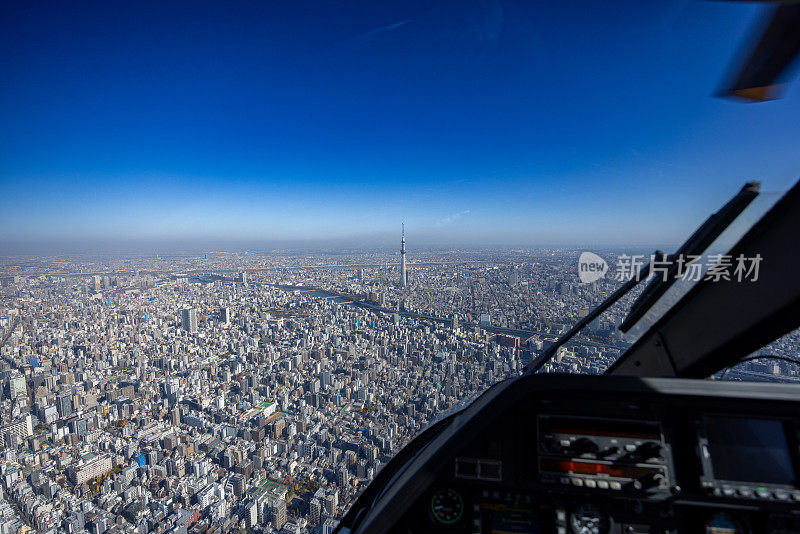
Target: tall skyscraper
(403, 278)
(225, 315)
(17, 387)
(189, 320)
(513, 278)
(175, 416)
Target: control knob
(650, 480)
(584, 446)
(651, 449)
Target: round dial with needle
(447, 506)
(588, 519)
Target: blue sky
(474, 122)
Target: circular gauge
(447, 506)
(722, 523)
(588, 519)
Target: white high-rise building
(21, 428)
(17, 387)
(89, 469)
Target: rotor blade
(760, 76)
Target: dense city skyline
(303, 122)
(262, 392)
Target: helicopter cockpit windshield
(555, 452)
(644, 287)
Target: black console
(596, 455)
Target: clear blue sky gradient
(474, 122)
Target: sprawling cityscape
(249, 251)
(233, 392)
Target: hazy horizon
(373, 243)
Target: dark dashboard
(590, 455)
